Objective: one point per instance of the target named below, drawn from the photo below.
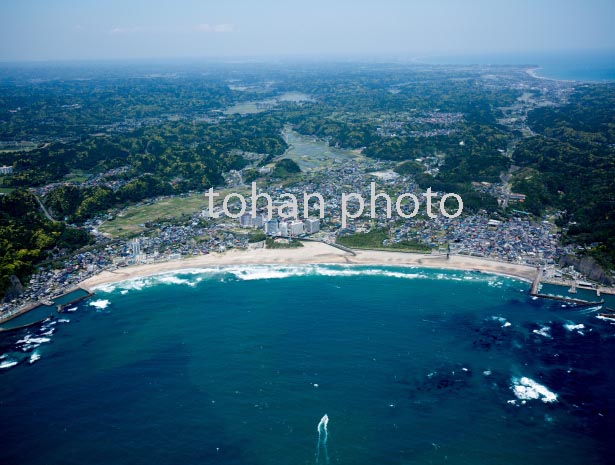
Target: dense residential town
(515, 239)
(359, 149)
(307, 232)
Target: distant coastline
(533, 72)
(594, 66)
(313, 253)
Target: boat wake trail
(322, 441)
(591, 310)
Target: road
(47, 214)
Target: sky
(33, 30)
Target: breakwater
(37, 311)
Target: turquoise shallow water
(238, 365)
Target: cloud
(125, 30)
(219, 28)
(173, 30)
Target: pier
(58, 302)
(61, 306)
(343, 248)
(575, 302)
(536, 283)
(27, 325)
(534, 292)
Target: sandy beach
(313, 253)
(533, 72)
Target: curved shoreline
(314, 253)
(533, 72)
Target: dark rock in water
(493, 334)
(14, 290)
(446, 379)
(564, 362)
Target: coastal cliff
(14, 290)
(589, 267)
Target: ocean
(587, 66)
(240, 365)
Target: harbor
(38, 312)
(552, 290)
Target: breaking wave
(192, 276)
(570, 326)
(545, 331)
(100, 304)
(31, 341)
(25, 349)
(607, 319)
(525, 389)
(7, 364)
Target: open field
(77, 176)
(373, 240)
(128, 222)
(23, 147)
(248, 108)
(311, 153)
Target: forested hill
(26, 236)
(169, 158)
(570, 165)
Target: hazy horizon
(33, 30)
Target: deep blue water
(593, 66)
(238, 366)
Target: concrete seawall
(34, 305)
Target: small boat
(610, 316)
